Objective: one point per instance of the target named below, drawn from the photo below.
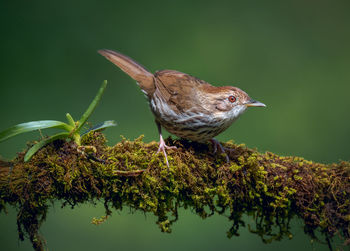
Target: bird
(184, 105)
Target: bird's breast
(193, 124)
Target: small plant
(72, 129)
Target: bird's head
(230, 100)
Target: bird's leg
(162, 145)
(217, 145)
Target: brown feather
(133, 69)
(179, 89)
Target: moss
(270, 188)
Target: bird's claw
(162, 147)
(217, 145)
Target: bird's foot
(217, 146)
(162, 148)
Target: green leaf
(92, 106)
(103, 125)
(70, 119)
(42, 143)
(32, 126)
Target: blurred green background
(292, 55)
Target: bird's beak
(253, 102)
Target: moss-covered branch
(269, 187)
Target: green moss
(270, 188)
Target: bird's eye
(232, 99)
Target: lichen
(270, 188)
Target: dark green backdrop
(291, 55)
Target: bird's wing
(178, 89)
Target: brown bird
(184, 105)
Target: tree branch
(271, 188)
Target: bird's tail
(136, 71)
